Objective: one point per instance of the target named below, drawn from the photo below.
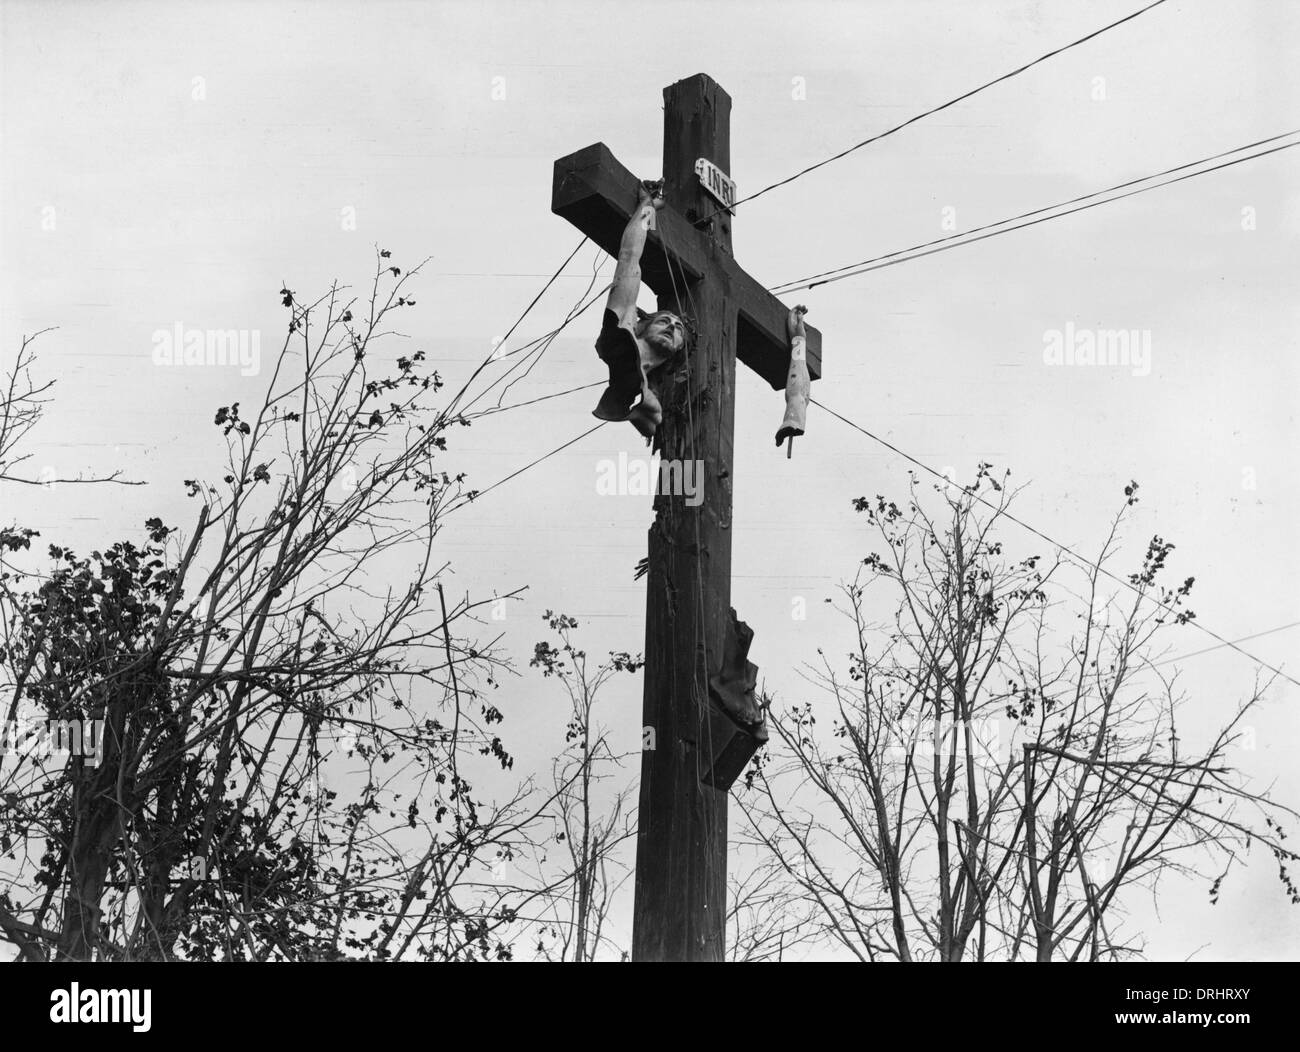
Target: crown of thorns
(688, 323)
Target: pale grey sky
(168, 163)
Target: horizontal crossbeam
(595, 193)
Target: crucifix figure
(701, 723)
(632, 344)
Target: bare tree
(22, 405)
(1005, 762)
(593, 819)
(765, 924)
(296, 635)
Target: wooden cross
(694, 749)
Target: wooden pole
(681, 858)
(698, 705)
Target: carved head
(664, 332)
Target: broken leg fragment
(733, 685)
(735, 726)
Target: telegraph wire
(572, 317)
(474, 495)
(544, 341)
(598, 263)
(1220, 646)
(941, 107)
(958, 240)
(534, 401)
(549, 282)
(779, 289)
(1057, 544)
(447, 412)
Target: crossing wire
(449, 410)
(1057, 544)
(942, 106)
(533, 401)
(545, 340)
(470, 498)
(1219, 646)
(904, 255)
(549, 282)
(598, 263)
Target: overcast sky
(176, 163)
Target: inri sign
(717, 183)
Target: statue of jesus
(635, 345)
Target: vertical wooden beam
(681, 859)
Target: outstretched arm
(796, 381)
(627, 273)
